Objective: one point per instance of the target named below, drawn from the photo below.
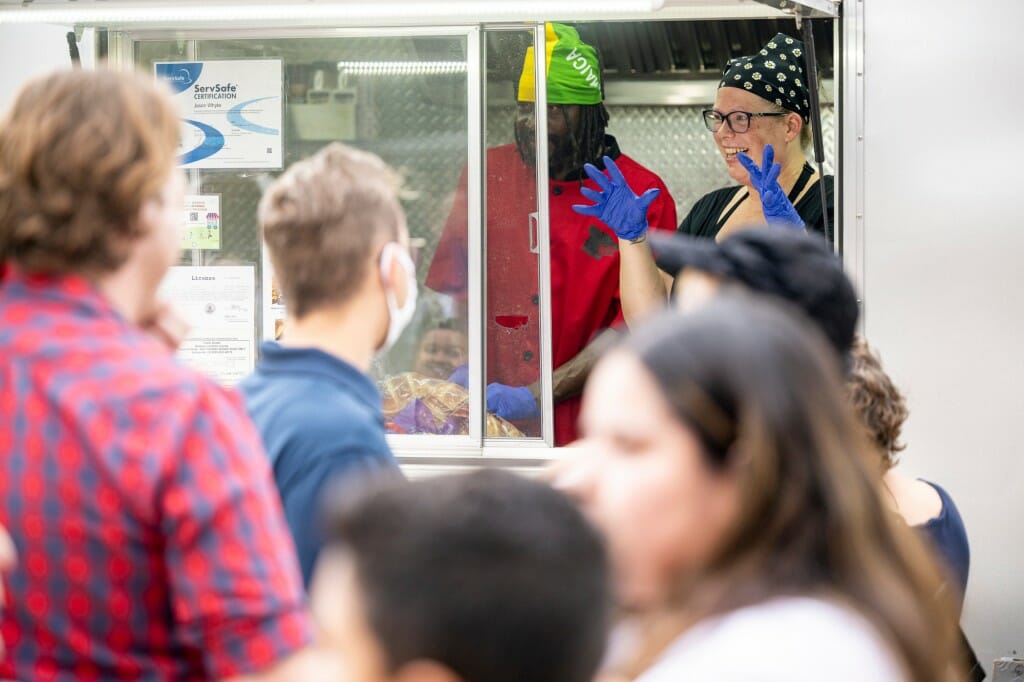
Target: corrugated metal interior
(680, 49)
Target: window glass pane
(511, 315)
(403, 98)
(512, 310)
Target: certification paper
(202, 222)
(230, 111)
(219, 303)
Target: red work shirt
(584, 269)
(151, 541)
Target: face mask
(398, 318)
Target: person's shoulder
(636, 171)
(812, 197)
(717, 196)
(944, 496)
(797, 611)
(323, 441)
(136, 369)
(917, 500)
(342, 416)
(944, 518)
(789, 638)
(316, 417)
(713, 201)
(701, 219)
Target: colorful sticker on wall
(202, 222)
(230, 111)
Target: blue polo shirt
(321, 420)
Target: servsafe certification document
(230, 111)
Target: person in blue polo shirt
(338, 243)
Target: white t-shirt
(791, 639)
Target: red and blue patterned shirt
(151, 542)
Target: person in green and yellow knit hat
(576, 114)
(585, 300)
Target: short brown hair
(322, 221)
(80, 152)
(876, 400)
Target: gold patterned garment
(414, 403)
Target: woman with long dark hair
(747, 534)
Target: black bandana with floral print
(776, 74)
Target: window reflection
(512, 312)
(405, 99)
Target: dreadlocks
(582, 143)
(588, 141)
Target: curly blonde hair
(80, 152)
(879, 404)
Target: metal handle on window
(534, 241)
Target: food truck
(432, 86)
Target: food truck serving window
(457, 111)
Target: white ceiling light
(400, 68)
(339, 11)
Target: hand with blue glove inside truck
(522, 403)
(616, 205)
(643, 287)
(776, 206)
(514, 403)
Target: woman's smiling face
(773, 130)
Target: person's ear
(424, 670)
(148, 216)
(794, 124)
(393, 274)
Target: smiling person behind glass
(761, 111)
(760, 124)
(443, 349)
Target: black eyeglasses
(739, 121)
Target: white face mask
(398, 318)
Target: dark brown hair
(324, 219)
(762, 391)
(80, 152)
(876, 400)
(496, 576)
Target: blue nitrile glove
(511, 402)
(616, 205)
(460, 376)
(776, 205)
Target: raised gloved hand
(616, 205)
(511, 402)
(776, 205)
(460, 376)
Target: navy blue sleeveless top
(947, 534)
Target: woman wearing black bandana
(762, 100)
(760, 125)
